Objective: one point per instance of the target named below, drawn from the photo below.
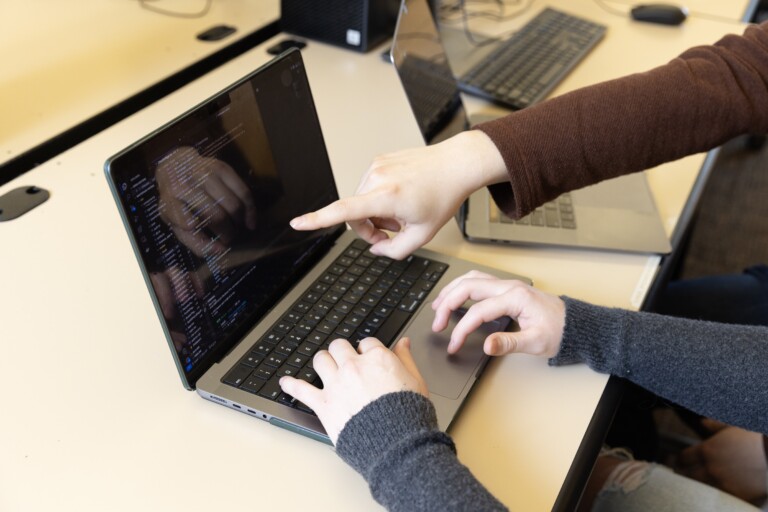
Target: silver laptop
(243, 299)
(617, 214)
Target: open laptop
(244, 299)
(617, 214)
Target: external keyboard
(358, 295)
(528, 65)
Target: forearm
(717, 370)
(694, 103)
(408, 463)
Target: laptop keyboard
(528, 65)
(554, 214)
(358, 295)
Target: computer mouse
(665, 14)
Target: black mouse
(665, 14)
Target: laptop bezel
(112, 170)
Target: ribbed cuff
(592, 335)
(381, 425)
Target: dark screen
(208, 199)
(425, 73)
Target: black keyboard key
(271, 389)
(252, 359)
(285, 348)
(344, 261)
(264, 372)
(392, 326)
(343, 307)
(307, 349)
(273, 337)
(299, 359)
(262, 348)
(237, 375)
(307, 374)
(356, 270)
(316, 338)
(292, 317)
(287, 370)
(274, 360)
(302, 307)
(344, 331)
(283, 327)
(253, 385)
(383, 310)
(286, 399)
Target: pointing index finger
(355, 208)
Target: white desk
(65, 61)
(94, 415)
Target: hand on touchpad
(447, 375)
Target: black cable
(207, 7)
(610, 9)
(460, 8)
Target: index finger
(302, 391)
(355, 208)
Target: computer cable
(145, 4)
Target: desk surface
(66, 61)
(94, 410)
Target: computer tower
(356, 24)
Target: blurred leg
(641, 486)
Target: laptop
(617, 214)
(243, 299)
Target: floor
(731, 227)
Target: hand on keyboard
(351, 380)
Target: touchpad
(447, 375)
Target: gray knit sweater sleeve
(717, 370)
(409, 464)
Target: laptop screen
(423, 68)
(207, 200)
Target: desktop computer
(355, 24)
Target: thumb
(403, 243)
(500, 343)
(526, 341)
(403, 352)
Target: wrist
(482, 163)
(382, 424)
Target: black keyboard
(528, 65)
(358, 295)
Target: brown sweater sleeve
(699, 100)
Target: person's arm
(717, 370)
(696, 102)
(409, 464)
(375, 410)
